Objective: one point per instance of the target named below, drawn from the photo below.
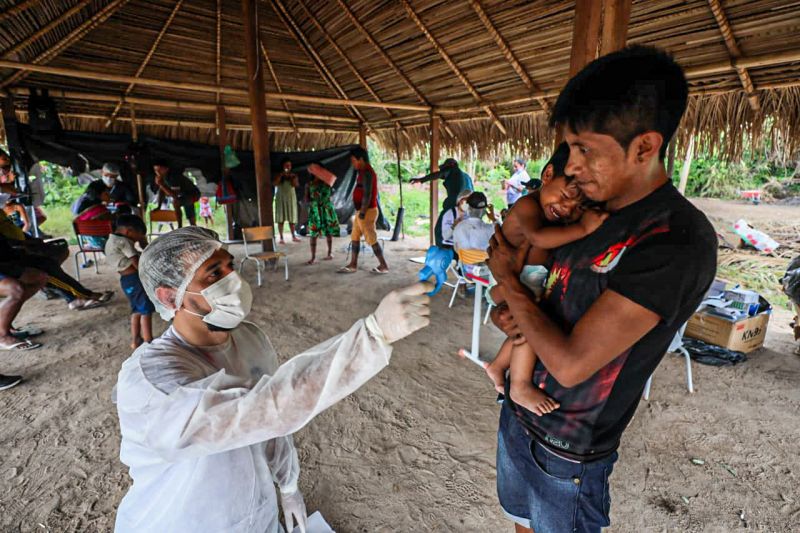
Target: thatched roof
(466, 60)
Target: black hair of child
(131, 222)
(624, 94)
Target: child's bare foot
(311, 262)
(498, 376)
(135, 344)
(328, 258)
(532, 398)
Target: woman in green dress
(286, 199)
(322, 218)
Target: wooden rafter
(146, 60)
(507, 52)
(78, 33)
(218, 50)
(179, 105)
(200, 87)
(44, 30)
(278, 87)
(319, 64)
(347, 61)
(17, 9)
(734, 51)
(461, 76)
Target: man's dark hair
(161, 162)
(131, 222)
(284, 161)
(360, 153)
(520, 162)
(624, 94)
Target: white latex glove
(294, 508)
(404, 311)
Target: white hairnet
(172, 260)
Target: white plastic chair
(675, 347)
(259, 234)
(465, 257)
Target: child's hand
(592, 219)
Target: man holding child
(613, 300)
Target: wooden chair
(260, 234)
(162, 216)
(89, 228)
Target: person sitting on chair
(473, 233)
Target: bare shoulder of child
(526, 213)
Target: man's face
(517, 166)
(601, 167)
(161, 170)
(287, 166)
(213, 269)
(109, 179)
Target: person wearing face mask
(118, 193)
(452, 217)
(207, 415)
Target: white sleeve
(283, 463)
(447, 225)
(222, 412)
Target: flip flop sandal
(347, 270)
(106, 296)
(376, 270)
(92, 304)
(26, 332)
(21, 346)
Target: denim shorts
(540, 490)
(137, 297)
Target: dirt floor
(414, 449)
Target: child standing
(122, 253)
(547, 218)
(205, 211)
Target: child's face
(559, 200)
(287, 167)
(132, 234)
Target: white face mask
(230, 299)
(109, 181)
(464, 206)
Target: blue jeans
(540, 490)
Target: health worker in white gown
(207, 414)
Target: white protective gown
(204, 443)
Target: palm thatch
(489, 68)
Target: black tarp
(74, 148)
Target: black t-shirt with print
(659, 252)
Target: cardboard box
(743, 335)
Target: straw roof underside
(309, 40)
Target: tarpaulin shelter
(466, 77)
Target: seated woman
(92, 207)
(17, 214)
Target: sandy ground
(414, 449)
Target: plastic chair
(162, 216)
(466, 257)
(261, 234)
(675, 347)
(89, 228)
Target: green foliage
(711, 177)
(60, 187)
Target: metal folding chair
(89, 228)
(465, 257)
(675, 347)
(260, 234)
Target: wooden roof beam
(47, 28)
(304, 43)
(200, 87)
(461, 76)
(734, 51)
(17, 9)
(507, 52)
(146, 59)
(346, 59)
(278, 87)
(78, 33)
(179, 105)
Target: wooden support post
(222, 138)
(671, 158)
(258, 115)
(139, 180)
(434, 167)
(687, 165)
(362, 135)
(600, 27)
